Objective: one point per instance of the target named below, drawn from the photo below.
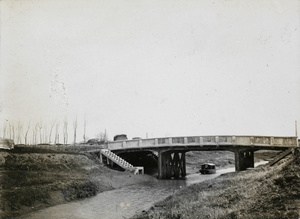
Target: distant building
(120, 137)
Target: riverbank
(31, 181)
(264, 192)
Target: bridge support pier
(171, 164)
(243, 159)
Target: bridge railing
(272, 141)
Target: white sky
(165, 68)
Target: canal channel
(124, 202)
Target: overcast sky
(166, 68)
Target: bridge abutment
(243, 159)
(171, 164)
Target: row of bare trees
(41, 132)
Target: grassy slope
(267, 192)
(31, 181)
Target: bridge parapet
(253, 141)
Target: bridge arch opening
(146, 159)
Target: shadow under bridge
(145, 158)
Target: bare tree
(33, 136)
(33, 130)
(35, 133)
(51, 128)
(105, 136)
(84, 129)
(75, 128)
(65, 130)
(4, 130)
(45, 140)
(56, 133)
(9, 130)
(58, 138)
(26, 133)
(102, 136)
(13, 131)
(40, 126)
(19, 132)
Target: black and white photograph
(147, 109)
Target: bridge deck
(212, 142)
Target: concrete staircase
(280, 156)
(121, 162)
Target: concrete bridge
(171, 150)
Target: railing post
(201, 141)
(233, 140)
(217, 140)
(185, 141)
(170, 140)
(156, 141)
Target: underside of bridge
(171, 163)
(146, 159)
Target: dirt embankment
(265, 192)
(32, 181)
